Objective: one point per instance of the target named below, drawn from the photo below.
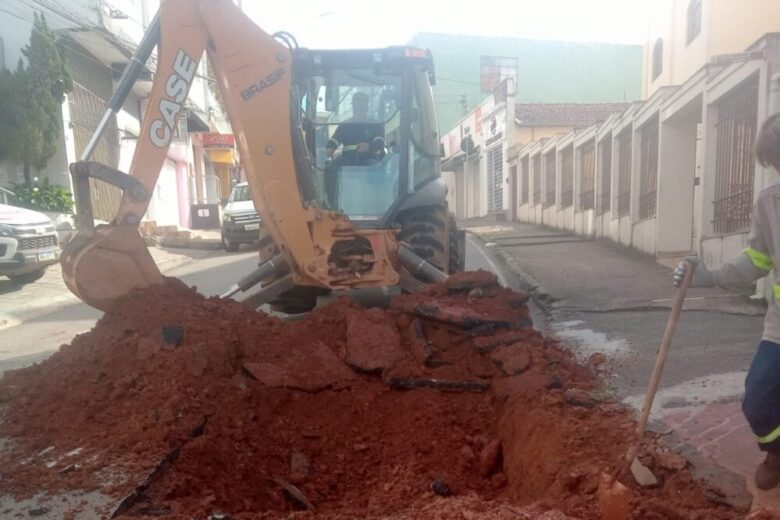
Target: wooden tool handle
(660, 361)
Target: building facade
(674, 174)
(98, 39)
(468, 68)
(479, 153)
(684, 35)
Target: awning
(196, 120)
(221, 156)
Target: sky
(355, 23)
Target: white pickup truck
(28, 244)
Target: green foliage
(30, 100)
(42, 197)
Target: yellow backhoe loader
(340, 150)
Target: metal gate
(605, 149)
(86, 110)
(648, 172)
(525, 181)
(735, 165)
(537, 179)
(495, 179)
(587, 175)
(567, 176)
(624, 172)
(549, 179)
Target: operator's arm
(336, 140)
(755, 261)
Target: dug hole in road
(448, 404)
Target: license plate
(49, 255)
(252, 227)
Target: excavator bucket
(103, 264)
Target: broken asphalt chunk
(439, 487)
(294, 494)
(172, 335)
(326, 369)
(410, 383)
(373, 341)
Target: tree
(30, 101)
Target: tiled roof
(575, 115)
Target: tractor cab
(365, 131)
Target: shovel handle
(660, 361)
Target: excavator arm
(254, 73)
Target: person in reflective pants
(761, 404)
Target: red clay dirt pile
(446, 405)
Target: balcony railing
(605, 202)
(587, 199)
(647, 205)
(733, 213)
(624, 204)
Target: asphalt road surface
(212, 272)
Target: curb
(528, 283)
(56, 303)
(207, 244)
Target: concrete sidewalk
(21, 303)
(600, 297)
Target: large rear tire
(425, 229)
(297, 300)
(23, 279)
(457, 262)
(228, 244)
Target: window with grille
(495, 179)
(648, 170)
(624, 172)
(567, 177)
(605, 149)
(588, 175)
(549, 179)
(537, 162)
(525, 180)
(658, 58)
(694, 20)
(494, 69)
(735, 164)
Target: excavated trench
(446, 405)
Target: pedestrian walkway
(19, 303)
(600, 297)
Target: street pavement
(601, 297)
(38, 336)
(59, 316)
(20, 303)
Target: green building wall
(547, 71)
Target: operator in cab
(361, 138)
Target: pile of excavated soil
(446, 405)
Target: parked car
(240, 222)
(28, 244)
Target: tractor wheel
(457, 262)
(297, 300)
(425, 230)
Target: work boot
(768, 472)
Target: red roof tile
(575, 115)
